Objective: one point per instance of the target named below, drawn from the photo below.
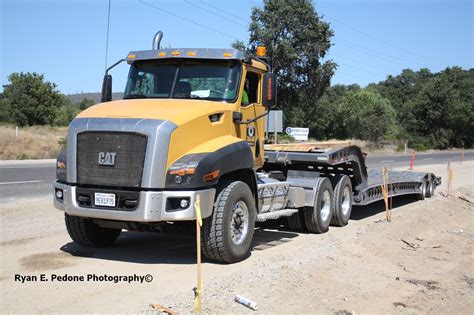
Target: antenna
(107, 39)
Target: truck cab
(189, 120)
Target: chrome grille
(129, 149)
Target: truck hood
(175, 110)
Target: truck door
(251, 107)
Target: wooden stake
(385, 192)
(450, 179)
(198, 290)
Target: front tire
(228, 233)
(86, 233)
(318, 217)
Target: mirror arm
(256, 118)
(112, 66)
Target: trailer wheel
(342, 201)
(86, 233)
(228, 233)
(421, 195)
(318, 217)
(430, 190)
(296, 222)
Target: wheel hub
(325, 205)
(239, 224)
(346, 201)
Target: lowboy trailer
(190, 127)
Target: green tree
(67, 111)
(296, 39)
(444, 110)
(85, 103)
(367, 115)
(5, 115)
(31, 100)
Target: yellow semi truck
(190, 126)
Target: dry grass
(38, 142)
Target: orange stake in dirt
(412, 160)
(462, 156)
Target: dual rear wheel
(332, 205)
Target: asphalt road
(34, 178)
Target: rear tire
(86, 233)
(296, 222)
(342, 201)
(319, 217)
(430, 189)
(228, 233)
(421, 195)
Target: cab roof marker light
(131, 56)
(191, 53)
(175, 53)
(227, 54)
(261, 51)
(162, 54)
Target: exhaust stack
(157, 40)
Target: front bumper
(151, 206)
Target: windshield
(184, 79)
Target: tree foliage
(366, 115)
(296, 39)
(31, 100)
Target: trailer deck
(327, 161)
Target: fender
(230, 158)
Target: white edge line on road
(428, 159)
(388, 161)
(22, 182)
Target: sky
(66, 39)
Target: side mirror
(106, 89)
(269, 90)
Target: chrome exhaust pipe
(157, 40)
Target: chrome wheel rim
(423, 192)
(239, 225)
(346, 201)
(325, 205)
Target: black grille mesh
(130, 149)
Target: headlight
(182, 173)
(192, 171)
(61, 166)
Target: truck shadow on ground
(166, 248)
(180, 247)
(362, 212)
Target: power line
(213, 13)
(107, 37)
(375, 38)
(187, 19)
(223, 11)
(360, 69)
(369, 52)
(354, 60)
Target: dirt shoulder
(364, 267)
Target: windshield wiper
(135, 96)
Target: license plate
(104, 200)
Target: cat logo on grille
(107, 158)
